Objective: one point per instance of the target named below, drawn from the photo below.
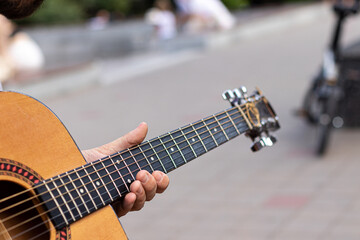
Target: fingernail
(158, 176)
(139, 191)
(144, 179)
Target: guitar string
(40, 224)
(143, 166)
(125, 159)
(166, 149)
(29, 220)
(119, 154)
(132, 148)
(90, 183)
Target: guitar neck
(79, 192)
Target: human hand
(146, 185)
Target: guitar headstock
(258, 114)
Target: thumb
(130, 139)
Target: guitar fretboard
(79, 192)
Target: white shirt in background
(164, 22)
(211, 9)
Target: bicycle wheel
(312, 107)
(325, 123)
(324, 129)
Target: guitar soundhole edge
(27, 225)
(31, 223)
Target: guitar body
(35, 145)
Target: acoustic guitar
(48, 191)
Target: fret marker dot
(81, 190)
(129, 181)
(193, 139)
(97, 183)
(118, 162)
(152, 158)
(172, 149)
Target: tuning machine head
(229, 96)
(263, 141)
(260, 135)
(236, 96)
(258, 115)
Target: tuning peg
(228, 95)
(263, 142)
(243, 91)
(238, 95)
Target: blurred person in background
(100, 21)
(146, 185)
(204, 15)
(6, 64)
(162, 19)
(19, 52)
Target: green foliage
(72, 11)
(57, 11)
(117, 6)
(235, 4)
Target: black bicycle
(328, 102)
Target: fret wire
(134, 159)
(101, 179)
(237, 130)
(175, 144)
(212, 136)
(102, 200)
(112, 181)
(61, 179)
(222, 129)
(57, 203)
(146, 158)
(121, 176)
(187, 140)
(123, 160)
(157, 156)
(76, 189)
(195, 130)
(62, 196)
(95, 206)
(166, 149)
(83, 184)
(65, 219)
